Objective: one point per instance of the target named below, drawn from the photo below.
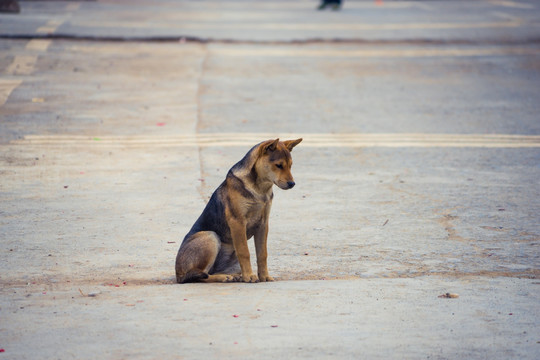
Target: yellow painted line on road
(46, 29)
(50, 27)
(25, 64)
(506, 16)
(310, 140)
(512, 4)
(22, 65)
(372, 53)
(73, 6)
(38, 44)
(6, 88)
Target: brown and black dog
(216, 249)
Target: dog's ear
(267, 146)
(289, 144)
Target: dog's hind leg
(226, 267)
(197, 256)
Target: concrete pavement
(417, 177)
(369, 318)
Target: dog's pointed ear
(289, 144)
(267, 146)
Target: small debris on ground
(449, 296)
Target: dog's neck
(264, 187)
(247, 172)
(260, 188)
(256, 184)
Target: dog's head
(275, 162)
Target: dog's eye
(279, 166)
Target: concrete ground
(417, 177)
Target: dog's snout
(290, 184)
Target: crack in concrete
(201, 188)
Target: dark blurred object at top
(9, 6)
(335, 4)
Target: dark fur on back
(213, 216)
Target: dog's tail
(192, 275)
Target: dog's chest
(256, 214)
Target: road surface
(417, 177)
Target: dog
(216, 249)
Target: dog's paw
(263, 278)
(233, 278)
(250, 278)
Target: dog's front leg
(238, 233)
(261, 235)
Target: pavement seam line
(202, 188)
